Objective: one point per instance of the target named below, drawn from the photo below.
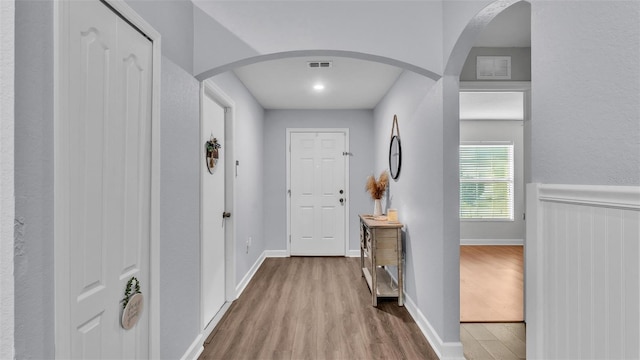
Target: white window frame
(512, 180)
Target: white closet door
(104, 161)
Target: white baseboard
(196, 348)
(352, 253)
(491, 242)
(444, 350)
(275, 253)
(245, 280)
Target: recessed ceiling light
(318, 87)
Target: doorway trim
(345, 131)
(210, 89)
(61, 245)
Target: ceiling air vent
(493, 67)
(319, 64)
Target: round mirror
(395, 157)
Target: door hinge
(289, 192)
(524, 216)
(289, 239)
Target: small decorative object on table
(377, 188)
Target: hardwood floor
(314, 308)
(491, 283)
(493, 341)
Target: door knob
(341, 191)
(341, 201)
(226, 215)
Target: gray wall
(179, 211)
(248, 149)
(586, 80)
(360, 124)
(499, 130)
(418, 195)
(174, 20)
(520, 62)
(34, 291)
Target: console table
(381, 245)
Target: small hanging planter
(211, 153)
(132, 304)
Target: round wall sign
(132, 311)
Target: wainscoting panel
(583, 272)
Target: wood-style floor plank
(491, 283)
(314, 308)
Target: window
(486, 181)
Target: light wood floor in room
(491, 283)
(314, 308)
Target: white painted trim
(444, 350)
(346, 175)
(249, 275)
(353, 253)
(621, 197)
(61, 249)
(275, 253)
(499, 242)
(195, 349)
(533, 274)
(7, 188)
(539, 236)
(213, 91)
(495, 85)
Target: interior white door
(105, 163)
(318, 193)
(213, 205)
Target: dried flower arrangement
(376, 188)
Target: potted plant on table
(377, 188)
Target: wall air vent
(493, 67)
(319, 64)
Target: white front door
(318, 193)
(103, 183)
(213, 205)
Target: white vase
(377, 207)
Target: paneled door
(213, 206)
(103, 182)
(318, 193)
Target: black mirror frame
(395, 173)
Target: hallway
(314, 308)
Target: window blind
(486, 181)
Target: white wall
(583, 285)
(360, 124)
(585, 86)
(380, 28)
(7, 201)
(499, 130)
(248, 150)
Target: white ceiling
(348, 83)
(357, 84)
